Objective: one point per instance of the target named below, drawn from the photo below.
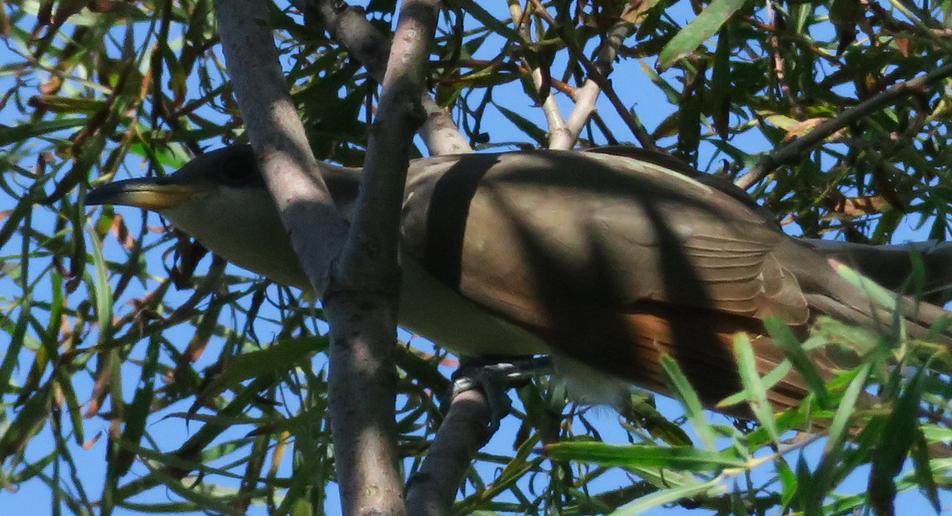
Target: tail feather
(834, 289)
(857, 306)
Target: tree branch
(432, 490)
(289, 168)
(792, 151)
(892, 265)
(550, 106)
(601, 80)
(361, 301)
(366, 44)
(587, 95)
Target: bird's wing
(612, 261)
(529, 235)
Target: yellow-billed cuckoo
(605, 259)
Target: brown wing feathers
(616, 262)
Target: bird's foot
(494, 378)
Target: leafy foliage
(195, 387)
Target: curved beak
(154, 194)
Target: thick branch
(432, 490)
(289, 168)
(366, 44)
(792, 151)
(361, 302)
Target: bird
(605, 259)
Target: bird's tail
(832, 288)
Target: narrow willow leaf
(925, 479)
(276, 358)
(784, 338)
(754, 385)
(18, 336)
(644, 456)
(689, 399)
(29, 421)
(477, 11)
(641, 410)
(845, 410)
(100, 289)
(875, 292)
(719, 107)
(699, 30)
(901, 432)
(668, 496)
(138, 411)
(533, 131)
(18, 133)
(788, 479)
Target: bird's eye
(239, 171)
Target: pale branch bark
(587, 95)
(634, 125)
(553, 114)
(366, 44)
(361, 302)
(440, 133)
(289, 168)
(550, 106)
(795, 149)
(432, 490)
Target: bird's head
(221, 200)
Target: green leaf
(639, 456)
(524, 125)
(19, 133)
(483, 16)
(29, 421)
(884, 297)
(640, 409)
(668, 496)
(788, 479)
(719, 105)
(901, 431)
(100, 289)
(689, 399)
(925, 479)
(703, 27)
(277, 358)
(784, 338)
(754, 385)
(845, 411)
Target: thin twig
(587, 95)
(550, 106)
(792, 151)
(633, 124)
(482, 65)
(366, 44)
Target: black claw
(494, 377)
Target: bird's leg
(494, 376)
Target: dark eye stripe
(239, 173)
